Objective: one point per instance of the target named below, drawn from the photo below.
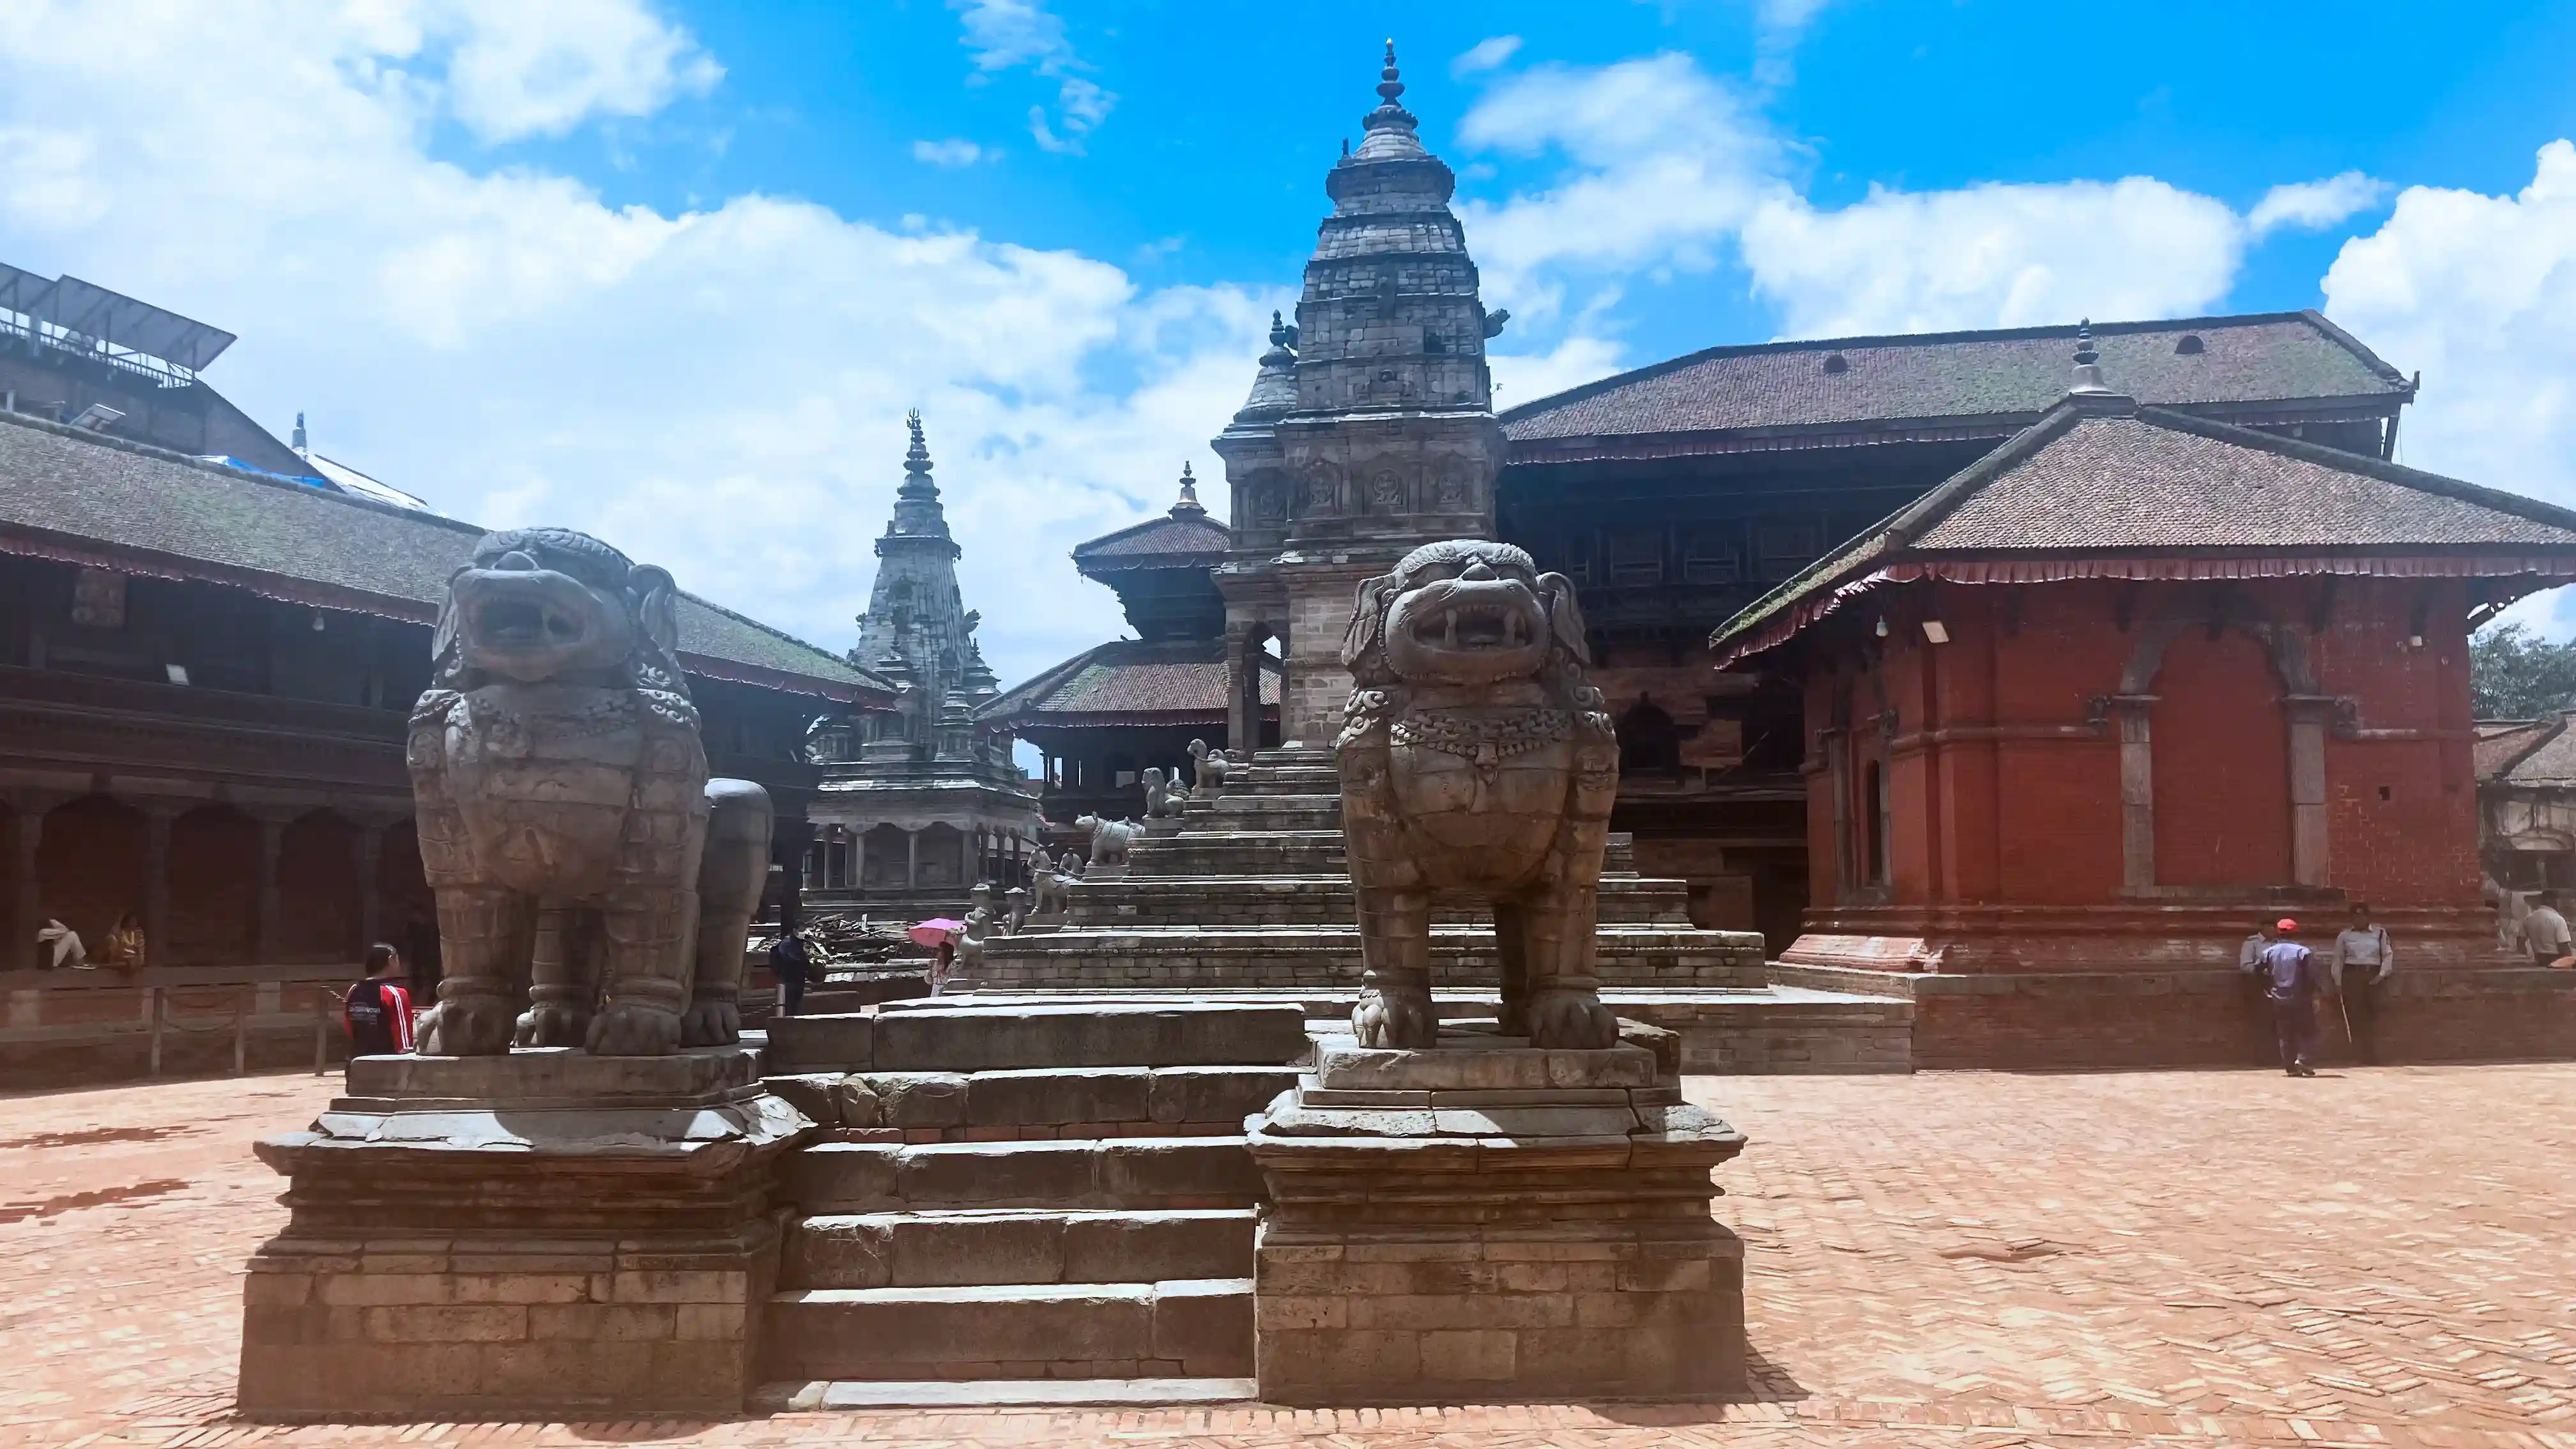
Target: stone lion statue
(1476, 760)
(1109, 840)
(566, 820)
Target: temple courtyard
(2383, 1256)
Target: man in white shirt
(2544, 931)
(2360, 959)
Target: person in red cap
(2292, 978)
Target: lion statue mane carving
(1475, 760)
(577, 848)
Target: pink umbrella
(935, 930)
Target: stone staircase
(1048, 1202)
(1249, 894)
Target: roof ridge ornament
(2088, 363)
(1390, 85)
(1189, 506)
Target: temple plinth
(1487, 1220)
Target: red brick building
(2084, 714)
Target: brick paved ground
(2383, 1257)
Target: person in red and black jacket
(378, 1009)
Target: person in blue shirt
(2292, 978)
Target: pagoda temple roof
(1184, 537)
(76, 497)
(1984, 383)
(2103, 486)
(1127, 682)
(2537, 753)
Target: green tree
(2517, 674)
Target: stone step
(961, 1247)
(1321, 900)
(1195, 852)
(1199, 1328)
(1092, 1101)
(928, 1037)
(1094, 1173)
(1317, 957)
(812, 1395)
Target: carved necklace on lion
(1482, 739)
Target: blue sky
(673, 272)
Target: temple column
(157, 818)
(1242, 678)
(270, 902)
(911, 859)
(371, 899)
(858, 860)
(2137, 790)
(26, 836)
(2308, 715)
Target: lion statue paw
(711, 1023)
(474, 1027)
(1395, 1018)
(1567, 1019)
(553, 1024)
(633, 1029)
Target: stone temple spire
(916, 628)
(1390, 325)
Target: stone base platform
(1784, 1029)
(1488, 1221)
(2188, 1016)
(542, 1235)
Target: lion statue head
(549, 604)
(1464, 612)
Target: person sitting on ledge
(378, 1009)
(2544, 931)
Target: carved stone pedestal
(545, 1234)
(1487, 1221)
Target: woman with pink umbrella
(940, 934)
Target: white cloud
(2480, 293)
(523, 70)
(1007, 34)
(1777, 26)
(2315, 205)
(1993, 256)
(1484, 55)
(1526, 377)
(720, 391)
(955, 151)
(1671, 169)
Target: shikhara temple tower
(927, 803)
(1374, 434)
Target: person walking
(2360, 960)
(377, 1010)
(2544, 931)
(2292, 978)
(789, 963)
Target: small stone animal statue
(1015, 910)
(1109, 840)
(1475, 759)
(1164, 794)
(558, 779)
(981, 924)
(1208, 769)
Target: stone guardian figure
(557, 773)
(1475, 759)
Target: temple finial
(1189, 503)
(2088, 363)
(1389, 83)
(916, 459)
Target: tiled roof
(2540, 753)
(2104, 478)
(2009, 374)
(1176, 538)
(1127, 681)
(70, 494)
(2169, 481)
